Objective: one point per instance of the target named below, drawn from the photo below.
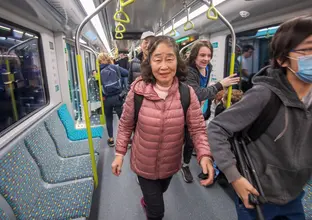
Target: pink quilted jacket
(159, 135)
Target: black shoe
(111, 142)
(194, 153)
(186, 173)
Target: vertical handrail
(227, 23)
(83, 87)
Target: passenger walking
(157, 108)
(112, 89)
(198, 78)
(282, 155)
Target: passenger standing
(198, 77)
(111, 76)
(135, 65)
(159, 129)
(282, 155)
(246, 67)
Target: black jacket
(193, 80)
(135, 69)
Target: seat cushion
(55, 169)
(3, 216)
(64, 202)
(73, 133)
(64, 146)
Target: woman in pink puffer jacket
(159, 133)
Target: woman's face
(164, 64)
(203, 57)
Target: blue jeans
(291, 211)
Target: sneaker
(111, 142)
(143, 204)
(186, 173)
(194, 153)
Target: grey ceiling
(146, 14)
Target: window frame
(43, 73)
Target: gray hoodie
(283, 154)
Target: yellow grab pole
(11, 79)
(228, 103)
(102, 117)
(85, 107)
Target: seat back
(42, 148)
(20, 183)
(57, 131)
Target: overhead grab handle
(119, 14)
(119, 36)
(213, 10)
(189, 25)
(125, 3)
(173, 31)
(120, 28)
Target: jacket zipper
(161, 139)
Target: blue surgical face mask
(304, 68)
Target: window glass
(22, 89)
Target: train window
(22, 87)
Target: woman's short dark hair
(146, 68)
(288, 36)
(195, 49)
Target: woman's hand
(206, 164)
(229, 81)
(117, 164)
(243, 188)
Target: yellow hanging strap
(125, 3)
(11, 88)
(118, 14)
(85, 107)
(189, 25)
(98, 77)
(229, 98)
(173, 31)
(120, 28)
(213, 10)
(119, 36)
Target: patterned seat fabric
(65, 147)
(55, 169)
(30, 198)
(73, 133)
(3, 216)
(307, 200)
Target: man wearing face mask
(135, 65)
(282, 155)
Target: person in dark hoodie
(135, 65)
(112, 89)
(282, 155)
(198, 77)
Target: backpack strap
(185, 98)
(138, 99)
(265, 118)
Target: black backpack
(185, 99)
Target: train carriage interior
(55, 162)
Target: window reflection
(21, 82)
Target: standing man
(135, 65)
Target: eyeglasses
(305, 51)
